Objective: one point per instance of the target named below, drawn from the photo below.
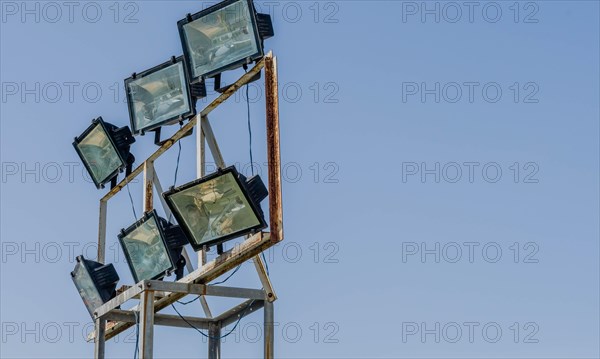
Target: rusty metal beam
(200, 172)
(148, 186)
(273, 152)
(102, 232)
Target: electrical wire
(229, 276)
(177, 166)
(250, 150)
(249, 128)
(176, 170)
(211, 337)
(131, 200)
(188, 302)
(211, 284)
(265, 260)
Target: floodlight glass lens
(87, 289)
(99, 154)
(158, 97)
(147, 252)
(220, 38)
(214, 209)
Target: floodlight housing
(223, 37)
(218, 207)
(96, 282)
(104, 151)
(153, 247)
(161, 96)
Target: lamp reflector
(216, 208)
(104, 150)
(96, 282)
(159, 96)
(152, 247)
(222, 37)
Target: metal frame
(157, 295)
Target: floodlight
(160, 96)
(104, 150)
(218, 207)
(153, 247)
(223, 37)
(96, 282)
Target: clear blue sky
(396, 120)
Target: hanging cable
(211, 284)
(229, 276)
(250, 150)
(265, 260)
(249, 127)
(131, 200)
(188, 302)
(176, 169)
(211, 337)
